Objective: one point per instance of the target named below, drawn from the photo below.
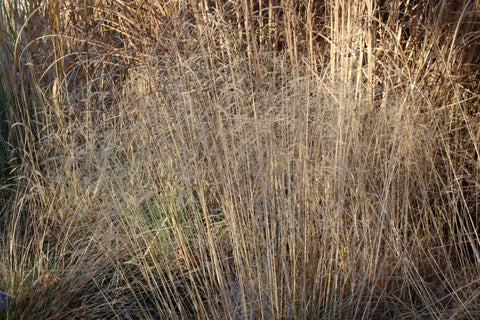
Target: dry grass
(240, 160)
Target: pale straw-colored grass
(191, 172)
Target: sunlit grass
(239, 160)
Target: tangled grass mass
(253, 159)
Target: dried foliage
(268, 159)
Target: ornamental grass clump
(240, 160)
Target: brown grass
(240, 160)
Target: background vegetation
(240, 159)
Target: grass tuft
(239, 160)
